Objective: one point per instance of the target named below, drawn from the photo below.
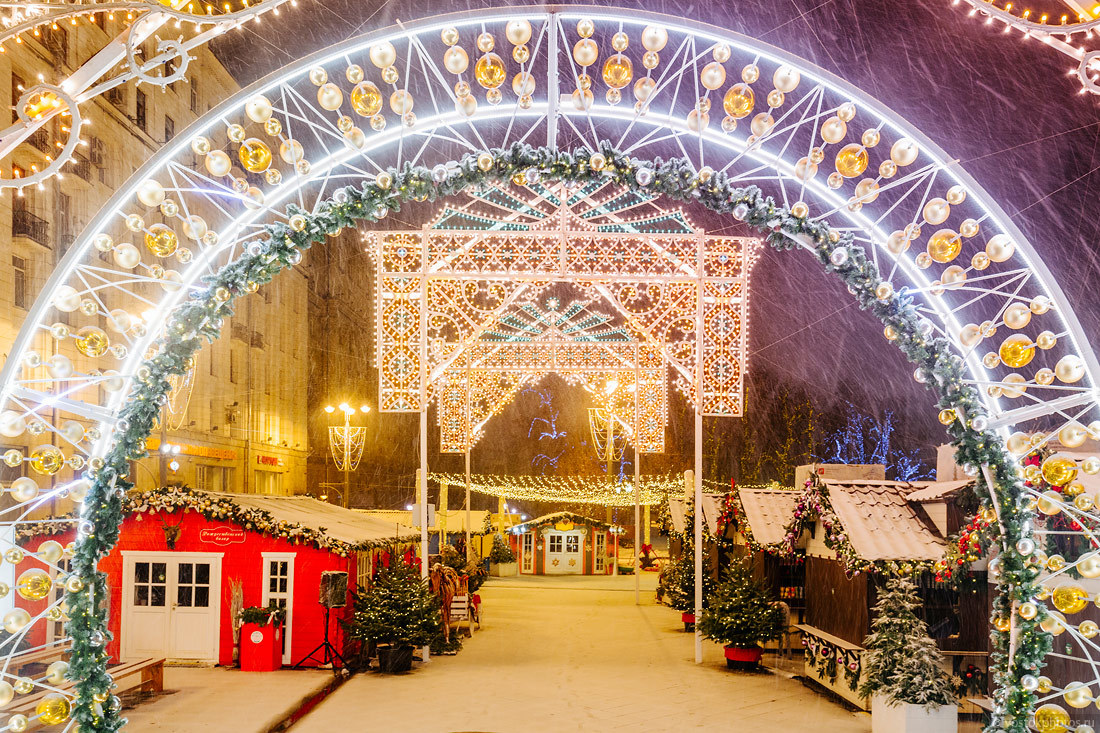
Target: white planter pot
(503, 569)
(912, 718)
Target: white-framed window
(572, 543)
(599, 551)
(269, 483)
(278, 588)
(214, 478)
(362, 569)
(554, 544)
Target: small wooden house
(180, 551)
(845, 529)
(564, 543)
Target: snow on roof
(555, 517)
(456, 519)
(936, 490)
(338, 523)
(880, 522)
(768, 512)
(712, 509)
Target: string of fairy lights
(595, 490)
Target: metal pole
(347, 459)
(469, 549)
(699, 454)
(637, 521)
(423, 477)
(611, 474)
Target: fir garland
(201, 318)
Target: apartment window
(232, 365)
(16, 91)
(140, 109)
(64, 222)
(213, 361)
(116, 96)
(214, 478)
(169, 128)
(195, 96)
(19, 285)
(269, 483)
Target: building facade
(237, 422)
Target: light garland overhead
(1056, 32)
(567, 489)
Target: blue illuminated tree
(865, 440)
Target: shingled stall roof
(768, 512)
(880, 521)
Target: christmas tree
(501, 552)
(678, 582)
(902, 664)
(738, 612)
(397, 609)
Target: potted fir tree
(905, 677)
(261, 638)
(740, 616)
(677, 585)
(399, 613)
(502, 560)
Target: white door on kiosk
(563, 553)
(171, 605)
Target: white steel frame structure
(929, 227)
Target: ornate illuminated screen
(473, 280)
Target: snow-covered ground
(218, 699)
(575, 653)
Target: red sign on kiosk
(224, 535)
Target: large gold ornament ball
(366, 99)
(1077, 695)
(1053, 623)
(53, 709)
(330, 97)
(904, 152)
(258, 108)
(585, 52)
(1088, 629)
(1070, 598)
(1089, 564)
(936, 211)
(851, 160)
(1050, 503)
(713, 75)
(1017, 315)
(489, 71)
(383, 54)
(33, 584)
(946, 417)
(833, 130)
(485, 161)
(944, 246)
(523, 83)
(161, 240)
(739, 101)
(218, 163)
(1016, 351)
(1028, 611)
(1059, 469)
(401, 102)
(786, 79)
(617, 71)
(1000, 248)
(16, 620)
(517, 32)
(255, 156)
(455, 60)
(654, 38)
(1070, 368)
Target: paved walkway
(577, 654)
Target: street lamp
(346, 443)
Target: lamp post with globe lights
(346, 443)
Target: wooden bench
(52, 653)
(146, 675)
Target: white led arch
(978, 288)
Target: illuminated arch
(896, 195)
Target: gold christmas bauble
(330, 97)
(1077, 695)
(1028, 611)
(617, 71)
(1070, 598)
(255, 156)
(762, 124)
(1089, 564)
(1059, 469)
(366, 99)
(1050, 503)
(936, 211)
(904, 152)
(383, 54)
(786, 79)
(944, 245)
(1016, 351)
(1000, 248)
(851, 160)
(53, 709)
(523, 84)
(161, 240)
(585, 52)
(833, 130)
(1017, 316)
(517, 32)
(1088, 629)
(489, 71)
(1070, 368)
(946, 417)
(33, 584)
(739, 101)
(712, 76)
(1053, 623)
(401, 102)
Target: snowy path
(577, 654)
